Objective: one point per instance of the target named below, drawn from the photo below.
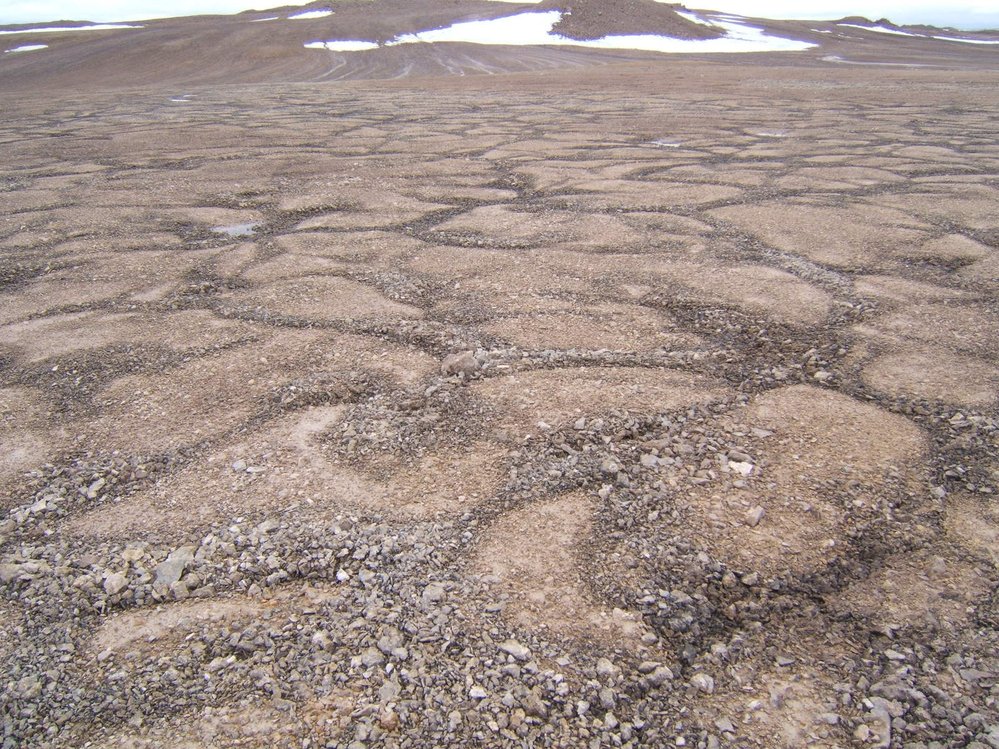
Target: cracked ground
(576, 409)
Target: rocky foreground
(648, 405)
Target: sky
(963, 14)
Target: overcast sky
(963, 14)
(968, 14)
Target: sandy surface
(589, 399)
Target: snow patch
(535, 28)
(693, 17)
(261, 20)
(343, 45)
(879, 29)
(520, 29)
(305, 16)
(967, 41)
(26, 48)
(91, 27)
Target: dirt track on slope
(617, 407)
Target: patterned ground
(652, 407)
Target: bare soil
(460, 395)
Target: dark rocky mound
(857, 20)
(592, 19)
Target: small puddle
(237, 230)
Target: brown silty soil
(631, 400)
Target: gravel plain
(650, 403)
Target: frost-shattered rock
(703, 683)
(115, 583)
(754, 516)
(172, 568)
(463, 364)
(433, 593)
(660, 676)
(514, 648)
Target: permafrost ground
(643, 406)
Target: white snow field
(535, 28)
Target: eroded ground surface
(652, 407)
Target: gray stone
(9, 573)
(514, 648)
(463, 364)
(534, 705)
(605, 668)
(389, 691)
(703, 683)
(390, 641)
(94, 489)
(371, 657)
(608, 700)
(648, 460)
(433, 593)
(180, 590)
(724, 725)
(610, 466)
(754, 516)
(879, 722)
(172, 568)
(115, 583)
(660, 676)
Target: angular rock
(433, 593)
(170, 570)
(514, 648)
(463, 364)
(605, 668)
(703, 683)
(660, 676)
(754, 516)
(115, 583)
